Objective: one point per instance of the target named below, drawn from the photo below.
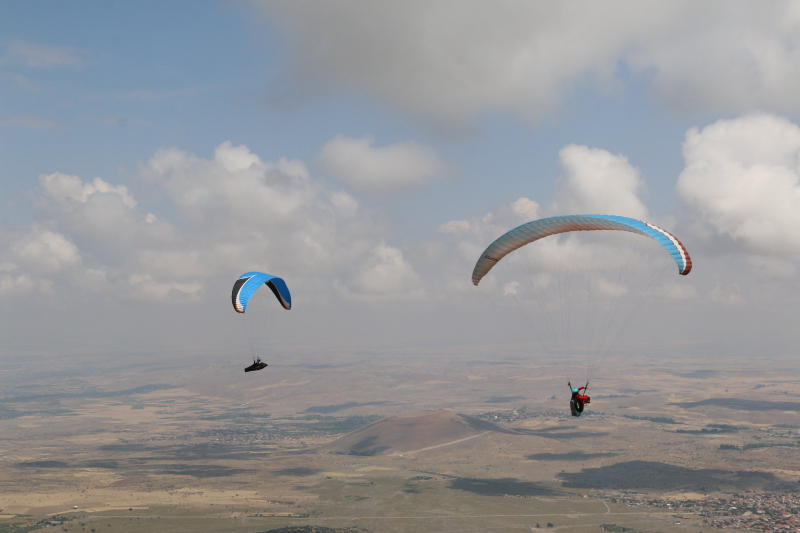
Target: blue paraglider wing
(247, 284)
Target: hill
(316, 529)
(411, 432)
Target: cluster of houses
(769, 512)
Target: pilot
(578, 400)
(257, 365)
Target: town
(766, 512)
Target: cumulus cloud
(596, 181)
(464, 240)
(103, 218)
(494, 223)
(344, 204)
(45, 251)
(245, 212)
(742, 177)
(363, 166)
(63, 188)
(385, 274)
(34, 259)
(14, 283)
(224, 215)
(447, 62)
(124, 247)
(725, 57)
(251, 214)
(455, 227)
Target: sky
(367, 152)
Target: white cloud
(103, 218)
(245, 213)
(490, 226)
(742, 177)
(33, 259)
(28, 54)
(219, 217)
(235, 186)
(455, 227)
(525, 208)
(447, 62)
(392, 167)
(236, 158)
(597, 182)
(15, 283)
(62, 188)
(385, 275)
(46, 251)
(725, 56)
(345, 204)
(594, 182)
(125, 248)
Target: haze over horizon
(367, 153)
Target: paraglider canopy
(539, 229)
(248, 283)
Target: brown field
(161, 445)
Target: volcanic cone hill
(411, 432)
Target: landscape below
(395, 443)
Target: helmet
(574, 391)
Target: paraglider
(578, 400)
(258, 364)
(566, 272)
(255, 309)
